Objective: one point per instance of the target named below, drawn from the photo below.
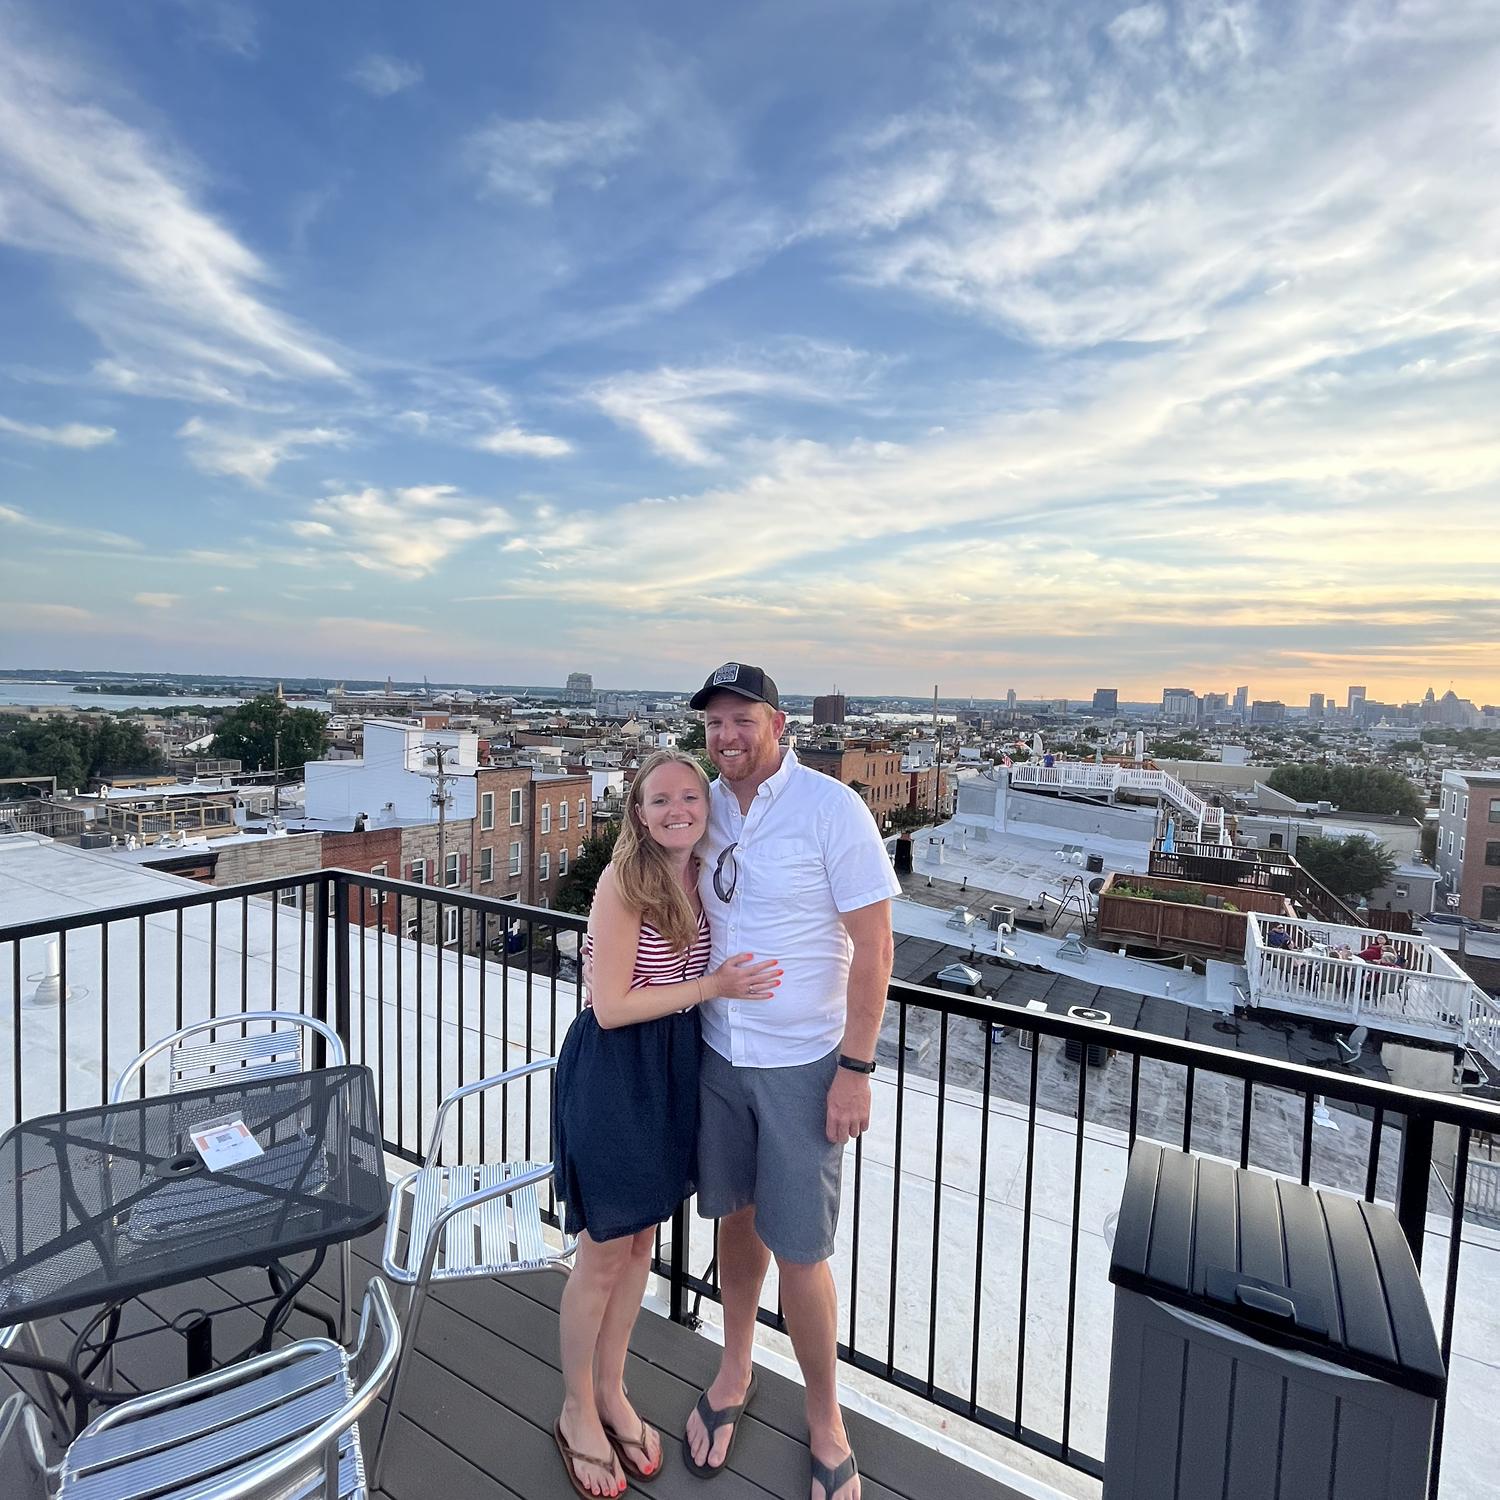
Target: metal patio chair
(196, 1060)
(25, 1335)
(282, 1425)
(464, 1222)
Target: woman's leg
(614, 1344)
(597, 1269)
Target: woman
(625, 1140)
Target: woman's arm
(616, 931)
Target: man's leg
(743, 1262)
(810, 1303)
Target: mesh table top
(100, 1205)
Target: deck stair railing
(1095, 777)
(1313, 969)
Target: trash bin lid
(1294, 1266)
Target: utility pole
(276, 770)
(440, 799)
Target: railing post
(341, 1019)
(1412, 1177)
(317, 1004)
(677, 1283)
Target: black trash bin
(1270, 1339)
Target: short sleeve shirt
(806, 852)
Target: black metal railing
(1261, 869)
(972, 1256)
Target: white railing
(1314, 969)
(1090, 776)
(1482, 1189)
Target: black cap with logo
(736, 677)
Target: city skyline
(1139, 345)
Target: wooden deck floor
(485, 1389)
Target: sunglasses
(726, 874)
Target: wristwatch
(854, 1065)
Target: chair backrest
(244, 1054)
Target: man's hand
(848, 1106)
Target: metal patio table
(102, 1205)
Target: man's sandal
(571, 1457)
(832, 1479)
(635, 1467)
(713, 1419)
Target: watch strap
(854, 1065)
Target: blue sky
(1028, 345)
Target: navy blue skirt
(625, 1128)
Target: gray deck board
(485, 1387)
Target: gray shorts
(763, 1140)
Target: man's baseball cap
(736, 677)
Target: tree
(75, 749)
(1182, 749)
(1373, 789)
(692, 738)
(1429, 843)
(248, 734)
(577, 893)
(1352, 866)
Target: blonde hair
(643, 873)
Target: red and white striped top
(657, 962)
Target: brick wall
(548, 795)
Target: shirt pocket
(787, 866)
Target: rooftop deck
(485, 1390)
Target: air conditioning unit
(1097, 1053)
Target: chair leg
(62, 1428)
(403, 1363)
(346, 1274)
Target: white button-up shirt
(806, 851)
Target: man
(793, 869)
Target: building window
(562, 862)
(580, 851)
(411, 929)
(450, 873)
(1450, 841)
(487, 811)
(546, 817)
(419, 871)
(1495, 809)
(517, 806)
(543, 866)
(515, 858)
(1463, 842)
(450, 926)
(562, 813)
(1466, 806)
(486, 866)
(1492, 853)
(1276, 841)
(289, 895)
(583, 811)
(1489, 903)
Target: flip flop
(713, 1420)
(571, 1456)
(631, 1466)
(831, 1479)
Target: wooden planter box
(1183, 926)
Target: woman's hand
(741, 978)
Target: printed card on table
(226, 1144)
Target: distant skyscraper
(1010, 700)
(829, 709)
(1356, 699)
(580, 688)
(1267, 711)
(1315, 705)
(1180, 705)
(1107, 701)
(1242, 701)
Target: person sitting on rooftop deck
(626, 1122)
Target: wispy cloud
(381, 75)
(517, 441)
(69, 435)
(250, 456)
(532, 159)
(151, 271)
(406, 531)
(155, 601)
(13, 516)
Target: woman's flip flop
(571, 1457)
(634, 1467)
